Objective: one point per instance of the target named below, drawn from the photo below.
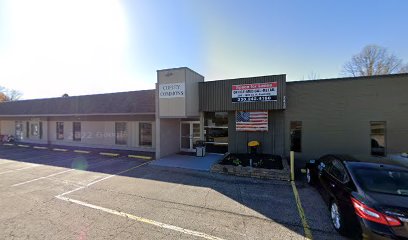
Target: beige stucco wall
(7, 127)
(100, 134)
(172, 107)
(180, 107)
(169, 137)
(192, 93)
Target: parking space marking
(36, 147)
(141, 219)
(59, 149)
(24, 146)
(141, 157)
(9, 171)
(109, 154)
(36, 179)
(81, 151)
(306, 228)
(102, 179)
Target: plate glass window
(19, 130)
(378, 140)
(296, 136)
(60, 130)
(216, 131)
(35, 129)
(120, 133)
(145, 134)
(77, 131)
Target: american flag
(252, 121)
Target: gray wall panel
(272, 141)
(216, 95)
(336, 114)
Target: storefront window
(35, 129)
(145, 134)
(296, 136)
(120, 133)
(77, 131)
(378, 143)
(60, 130)
(19, 130)
(216, 131)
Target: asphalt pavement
(64, 195)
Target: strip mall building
(361, 116)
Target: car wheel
(309, 177)
(337, 218)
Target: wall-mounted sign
(171, 90)
(251, 121)
(255, 92)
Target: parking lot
(47, 194)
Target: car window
(383, 180)
(337, 170)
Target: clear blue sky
(50, 47)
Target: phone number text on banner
(255, 92)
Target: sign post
(292, 165)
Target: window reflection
(377, 138)
(216, 131)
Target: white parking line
(130, 216)
(99, 180)
(36, 179)
(141, 219)
(9, 171)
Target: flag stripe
(251, 121)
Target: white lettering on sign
(255, 92)
(171, 90)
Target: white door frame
(191, 137)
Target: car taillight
(370, 214)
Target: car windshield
(383, 181)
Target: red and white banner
(255, 92)
(251, 121)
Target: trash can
(253, 147)
(200, 149)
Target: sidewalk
(188, 161)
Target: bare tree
(313, 75)
(404, 69)
(372, 60)
(14, 95)
(7, 95)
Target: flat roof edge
(240, 78)
(178, 68)
(348, 78)
(79, 114)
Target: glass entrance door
(190, 134)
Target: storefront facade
(364, 116)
